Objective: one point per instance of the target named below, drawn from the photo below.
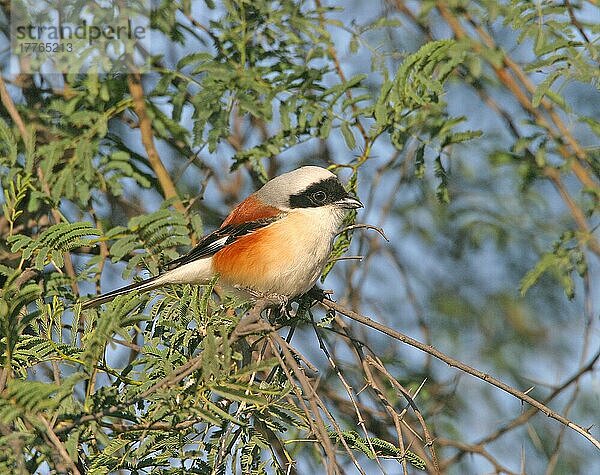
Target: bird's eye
(319, 196)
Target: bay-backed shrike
(275, 242)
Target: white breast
(308, 235)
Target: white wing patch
(216, 246)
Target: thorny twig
(460, 365)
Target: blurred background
(487, 190)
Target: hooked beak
(349, 202)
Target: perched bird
(274, 243)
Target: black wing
(212, 243)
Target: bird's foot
(272, 298)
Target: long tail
(143, 286)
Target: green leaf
(8, 145)
(348, 135)
(544, 90)
(442, 193)
(459, 137)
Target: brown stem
(134, 81)
(12, 110)
(576, 212)
(60, 448)
(316, 422)
(516, 81)
(546, 104)
(458, 364)
(521, 91)
(529, 413)
(10, 107)
(376, 362)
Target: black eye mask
(322, 193)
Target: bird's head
(307, 187)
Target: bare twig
(11, 109)
(313, 416)
(347, 387)
(478, 449)
(379, 390)
(460, 365)
(134, 81)
(529, 413)
(376, 362)
(575, 22)
(364, 226)
(60, 448)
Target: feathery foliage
(465, 127)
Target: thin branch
(364, 226)
(313, 416)
(518, 83)
(575, 22)
(503, 73)
(16, 117)
(12, 110)
(61, 449)
(377, 387)
(134, 81)
(532, 411)
(246, 325)
(460, 365)
(476, 449)
(347, 387)
(576, 212)
(376, 362)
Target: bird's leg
(277, 301)
(317, 294)
(280, 306)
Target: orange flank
(251, 261)
(274, 259)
